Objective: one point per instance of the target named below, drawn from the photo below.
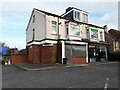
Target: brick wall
(42, 54)
(78, 60)
(34, 53)
(49, 54)
(15, 59)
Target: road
(92, 76)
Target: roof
(114, 34)
(70, 8)
(13, 49)
(55, 15)
(23, 51)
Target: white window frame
(76, 16)
(69, 30)
(85, 18)
(101, 35)
(54, 24)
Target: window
(33, 18)
(33, 34)
(74, 30)
(85, 17)
(88, 34)
(67, 32)
(78, 51)
(94, 33)
(54, 27)
(101, 36)
(77, 15)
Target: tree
(3, 44)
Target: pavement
(35, 67)
(39, 66)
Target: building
(51, 38)
(14, 50)
(113, 37)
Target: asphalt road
(92, 76)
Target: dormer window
(85, 18)
(76, 15)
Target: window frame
(76, 15)
(101, 35)
(33, 18)
(69, 30)
(85, 18)
(54, 24)
(93, 32)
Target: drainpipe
(87, 56)
(63, 50)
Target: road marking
(106, 84)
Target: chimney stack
(106, 28)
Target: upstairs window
(33, 34)
(101, 36)
(94, 33)
(67, 32)
(74, 30)
(54, 27)
(33, 18)
(88, 34)
(85, 18)
(77, 15)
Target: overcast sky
(15, 14)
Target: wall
(38, 25)
(49, 54)
(34, 53)
(15, 59)
(78, 60)
(42, 54)
(62, 31)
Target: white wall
(29, 32)
(62, 30)
(38, 25)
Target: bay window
(74, 30)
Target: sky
(15, 14)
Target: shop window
(79, 51)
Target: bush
(114, 56)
